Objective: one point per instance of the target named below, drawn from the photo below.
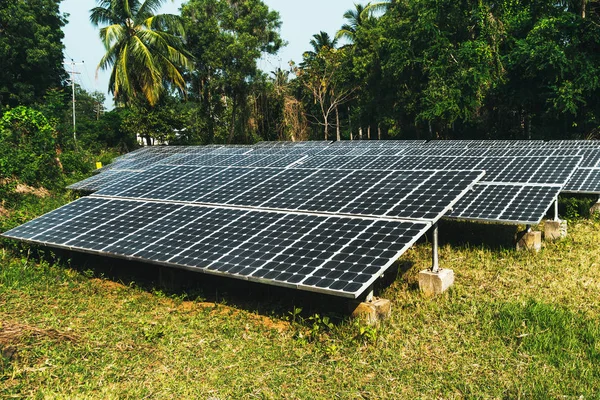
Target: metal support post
(435, 266)
(556, 210)
(527, 228)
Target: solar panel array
(536, 171)
(318, 216)
(330, 231)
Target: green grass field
(515, 325)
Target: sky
(300, 20)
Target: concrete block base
(434, 283)
(531, 241)
(595, 208)
(555, 230)
(372, 312)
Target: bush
(576, 206)
(28, 148)
(77, 162)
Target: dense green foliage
(447, 69)
(31, 52)
(396, 69)
(226, 39)
(28, 148)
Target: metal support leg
(556, 210)
(527, 228)
(435, 266)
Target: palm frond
(112, 34)
(166, 23)
(347, 32)
(377, 7)
(145, 51)
(147, 9)
(100, 16)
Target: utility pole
(73, 73)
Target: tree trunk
(326, 130)
(232, 129)
(148, 140)
(378, 132)
(369, 132)
(360, 133)
(350, 124)
(430, 129)
(583, 5)
(337, 121)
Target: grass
(515, 325)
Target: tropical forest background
(419, 69)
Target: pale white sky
(300, 20)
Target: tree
(322, 77)
(320, 41)
(293, 125)
(145, 51)
(156, 125)
(226, 38)
(31, 51)
(356, 18)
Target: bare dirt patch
(22, 188)
(4, 213)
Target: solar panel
(329, 254)
(335, 191)
(585, 181)
(518, 204)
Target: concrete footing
(555, 230)
(372, 312)
(595, 208)
(434, 283)
(531, 241)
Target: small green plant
(332, 350)
(294, 315)
(366, 334)
(319, 326)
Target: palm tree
(320, 41)
(144, 50)
(360, 16)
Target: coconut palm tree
(320, 41)
(144, 50)
(360, 16)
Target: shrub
(28, 148)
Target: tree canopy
(31, 51)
